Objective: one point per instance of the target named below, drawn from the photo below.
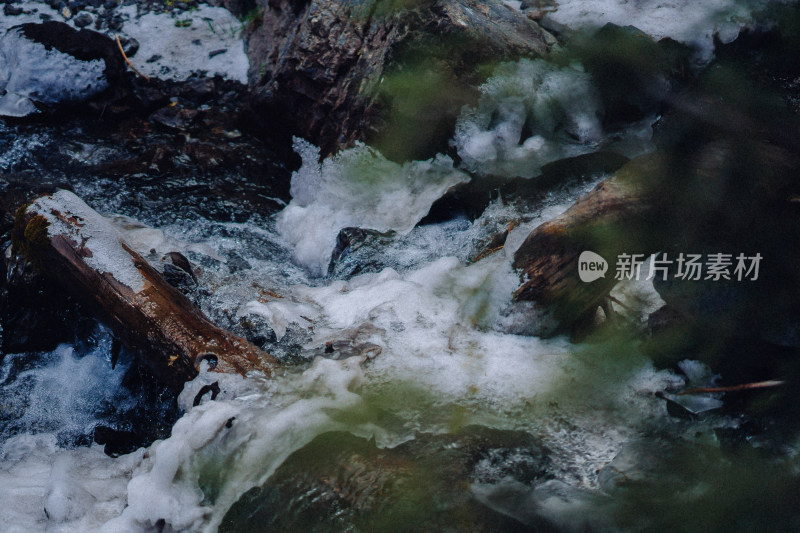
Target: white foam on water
(233, 444)
(532, 112)
(47, 488)
(357, 187)
(583, 405)
(65, 396)
(688, 21)
(147, 240)
(444, 350)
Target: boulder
(335, 72)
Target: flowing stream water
(409, 399)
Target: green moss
(18, 232)
(36, 233)
(30, 238)
(254, 17)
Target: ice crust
(94, 231)
(29, 73)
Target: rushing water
(408, 399)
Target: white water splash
(357, 187)
(532, 112)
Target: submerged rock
(347, 482)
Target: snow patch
(94, 232)
(207, 39)
(687, 21)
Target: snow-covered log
(69, 241)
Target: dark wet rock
(664, 318)
(691, 406)
(215, 53)
(346, 261)
(361, 251)
(129, 45)
(537, 4)
(198, 89)
(82, 20)
(85, 65)
(150, 416)
(116, 442)
(174, 117)
(115, 23)
(348, 483)
(11, 10)
(335, 72)
(178, 278)
(179, 261)
(633, 73)
(562, 32)
(153, 58)
(470, 199)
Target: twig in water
(487, 253)
(128, 61)
(735, 388)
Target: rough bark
(548, 259)
(72, 244)
(318, 67)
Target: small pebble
(153, 58)
(215, 53)
(130, 47)
(83, 19)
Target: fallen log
(70, 242)
(548, 258)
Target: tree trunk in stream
(548, 259)
(78, 248)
